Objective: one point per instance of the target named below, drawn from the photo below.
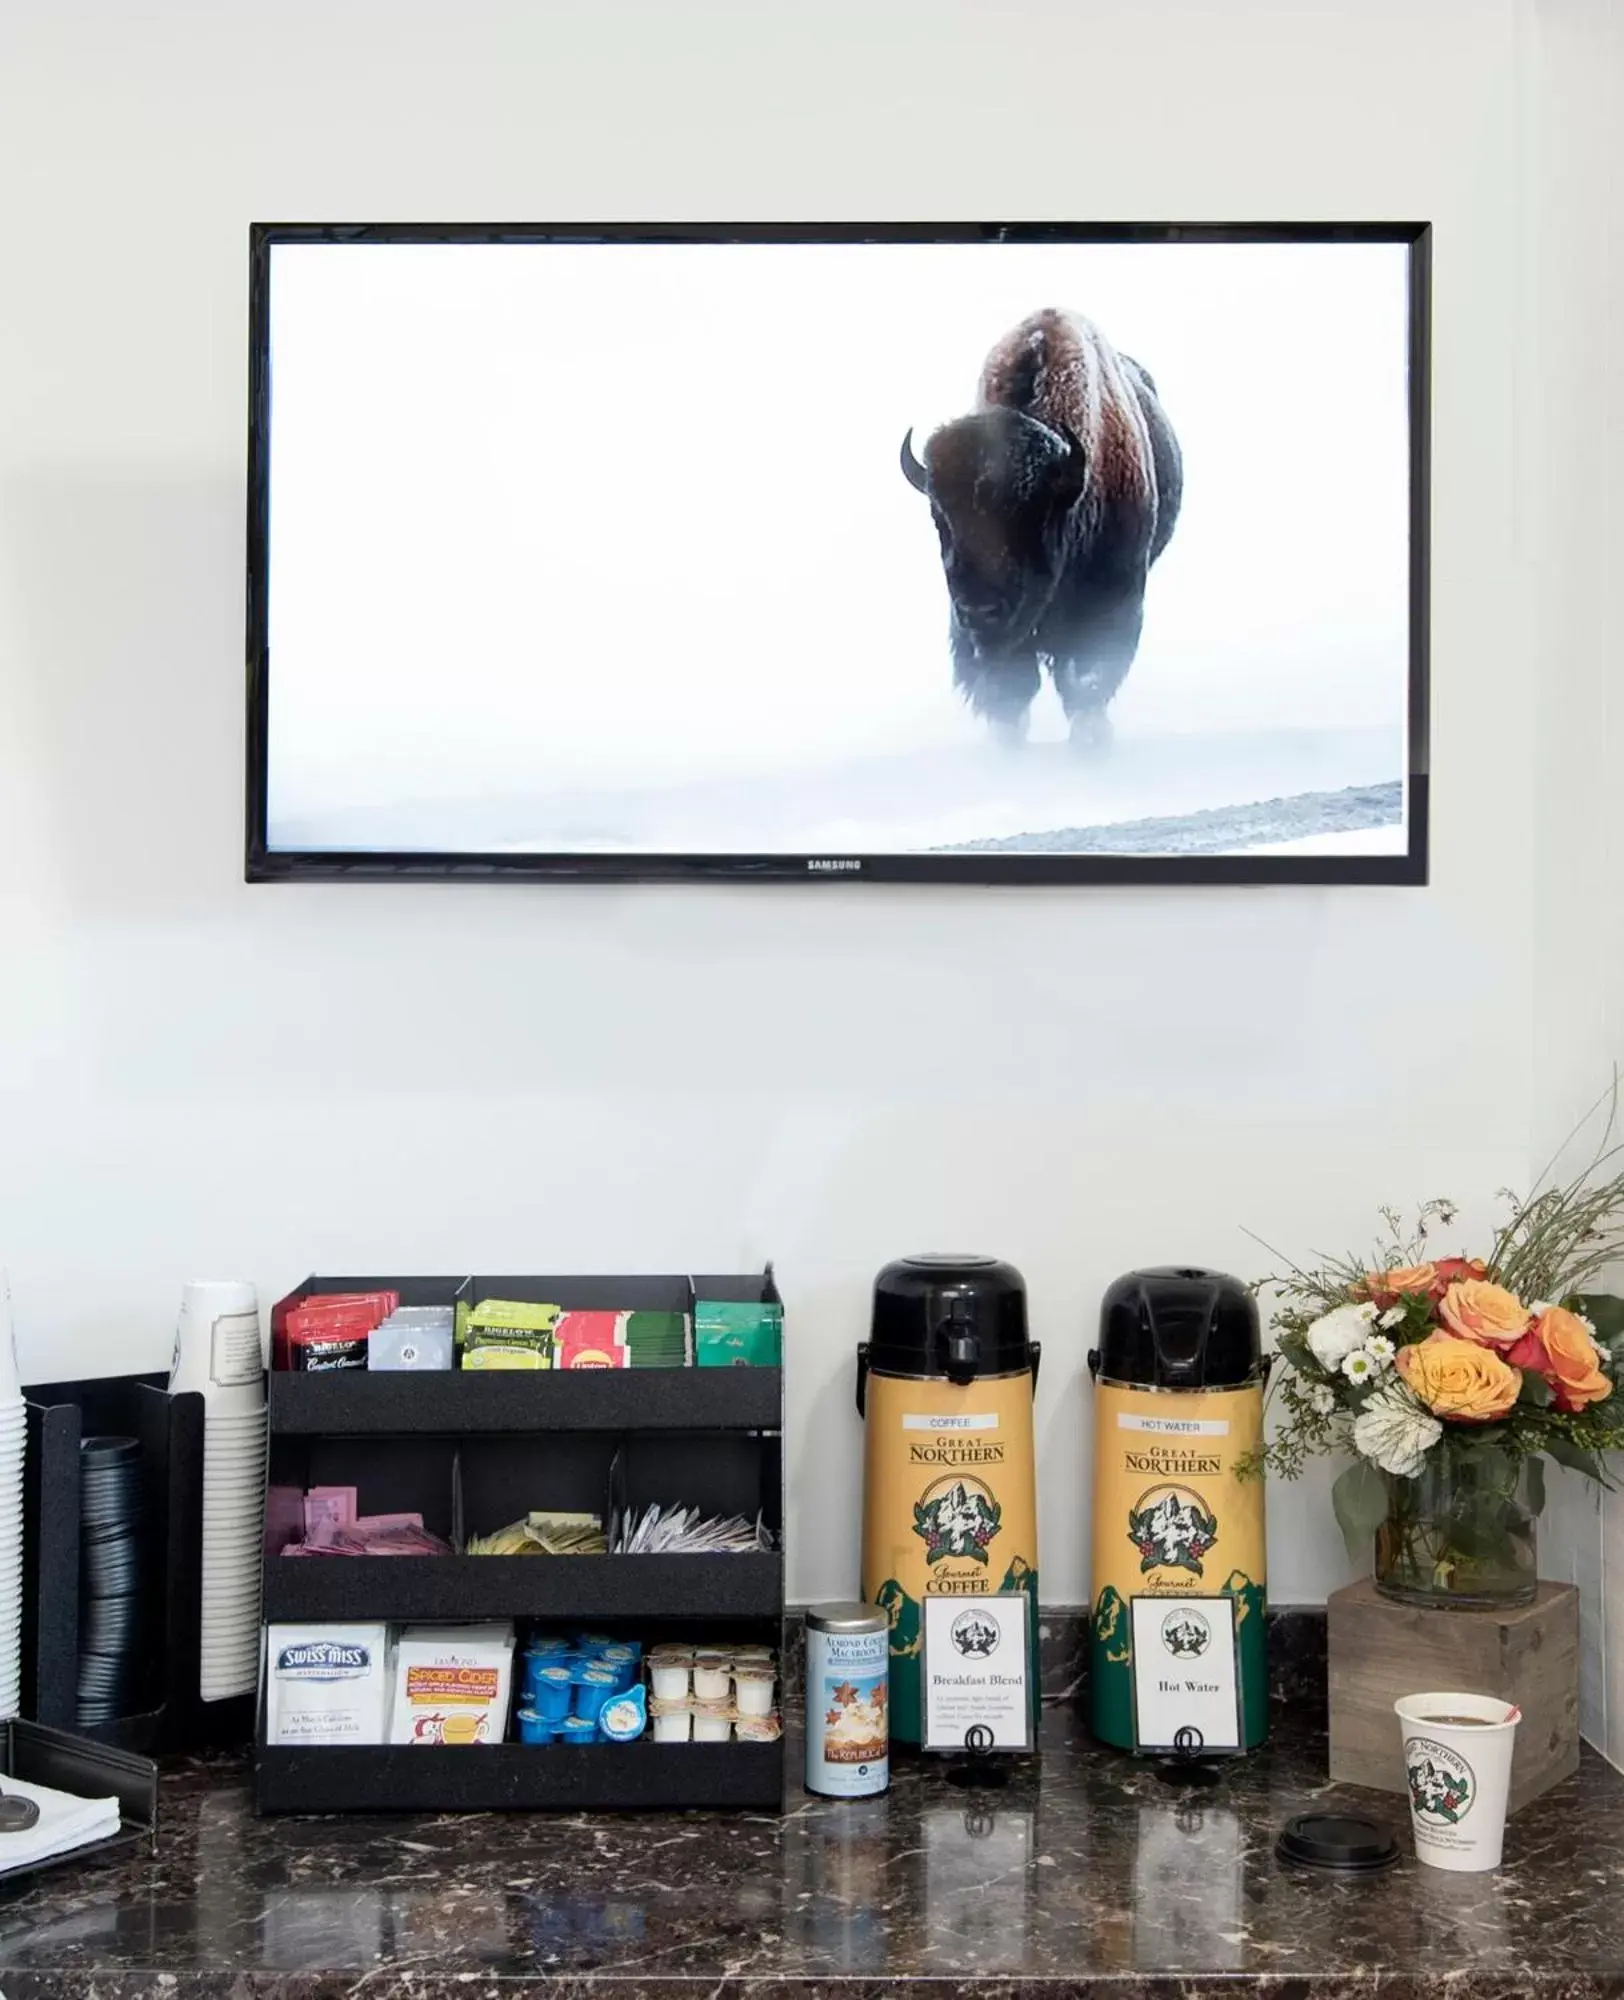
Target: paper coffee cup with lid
(1457, 1764)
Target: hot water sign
(952, 1509)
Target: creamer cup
(548, 1687)
(671, 1680)
(624, 1715)
(534, 1728)
(672, 1725)
(593, 1687)
(712, 1724)
(1457, 1763)
(577, 1729)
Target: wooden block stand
(1380, 1650)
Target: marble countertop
(1085, 1876)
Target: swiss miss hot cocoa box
(452, 1684)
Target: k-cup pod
(713, 1678)
(712, 1725)
(670, 1678)
(534, 1728)
(577, 1729)
(753, 1690)
(672, 1725)
(1457, 1759)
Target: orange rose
(1459, 1378)
(1451, 1270)
(1559, 1346)
(1488, 1314)
(1388, 1287)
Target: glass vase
(1461, 1534)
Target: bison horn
(912, 470)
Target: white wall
(1572, 519)
(197, 1077)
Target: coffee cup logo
(1442, 1783)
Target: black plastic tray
(519, 1777)
(457, 1402)
(42, 1756)
(299, 1589)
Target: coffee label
(950, 1509)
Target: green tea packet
(730, 1334)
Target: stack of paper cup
(13, 1439)
(219, 1352)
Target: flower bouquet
(1451, 1379)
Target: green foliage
(1360, 1500)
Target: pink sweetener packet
(369, 1526)
(332, 1504)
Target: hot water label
(952, 1508)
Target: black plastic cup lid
(1340, 1843)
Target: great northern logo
(956, 1517)
(1442, 1783)
(1172, 1528)
(1186, 1634)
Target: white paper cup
(712, 1682)
(10, 1385)
(1459, 1775)
(219, 1346)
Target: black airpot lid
(1177, 1326)
(1337, 1843)
(950, 1316)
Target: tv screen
(985, 552)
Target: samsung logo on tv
(324, 1660)
(834, 867)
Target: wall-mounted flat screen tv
(993, 552)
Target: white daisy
(1380, 1349)
(1359, 1367)
(1336, 1334)
(1392, 1317)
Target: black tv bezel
(264, 864)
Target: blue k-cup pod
(593, 1686)
(549, 1686)
(577, 1729)
(545, 1644)
(534, 1728)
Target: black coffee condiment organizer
(473, 1451)
(146, 1520)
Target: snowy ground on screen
(1208, 792)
